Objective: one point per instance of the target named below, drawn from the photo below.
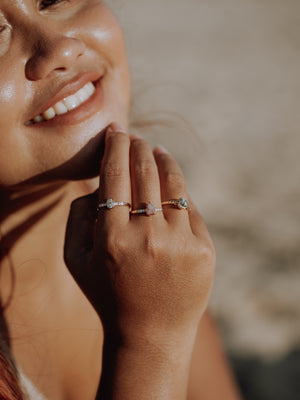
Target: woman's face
(63, 79)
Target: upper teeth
(65, 105)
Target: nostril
(56, 54)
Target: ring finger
(172, 185)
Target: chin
(85, 164)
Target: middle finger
(145, 184)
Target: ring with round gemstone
(182, 203)
(111, 203)
(149, 210)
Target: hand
(144, 275)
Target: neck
(33, 222)
(49, 321)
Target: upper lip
(57, 92)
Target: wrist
(143, 336)
(136, 366)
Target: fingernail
(136, 136)
(117, 127)
(161, 149)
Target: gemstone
(150, 209)
(110, 203)
(183, 203)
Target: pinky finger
(199, 227)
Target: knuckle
(152, 246)
(164, 158)
(117, 136)
(200, 252)
(138, 143)
(144, 167)
(112, 169)
(109, 245)
(174, 178)
(208, 254)
(113, 245)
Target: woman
(130, 305)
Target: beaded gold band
(181, 203)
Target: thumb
(79, 233)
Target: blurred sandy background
(231, 68)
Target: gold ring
(182, 203)
(149, 210)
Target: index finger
(115, 176)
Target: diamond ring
(111, 203)
(149, 210)
(181, 203)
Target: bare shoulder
(210, 376)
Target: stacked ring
(181, 203)
(149, 210)
(111, 203)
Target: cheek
(102, 33)
(14, 159)
(7, 92)
(8, 100)
(12, 144)
(26, 154)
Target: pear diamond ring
(149, 210)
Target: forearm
(146, 370)
(211, 377)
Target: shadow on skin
(85, 164)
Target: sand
(231, 69)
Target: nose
(52, 53)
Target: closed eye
(48, 3)
(3, 27)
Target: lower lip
(80, 113)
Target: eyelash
(50, 3)
(4, 27)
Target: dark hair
(9, 385)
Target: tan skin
(147, 278)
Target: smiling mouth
(66, 105)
